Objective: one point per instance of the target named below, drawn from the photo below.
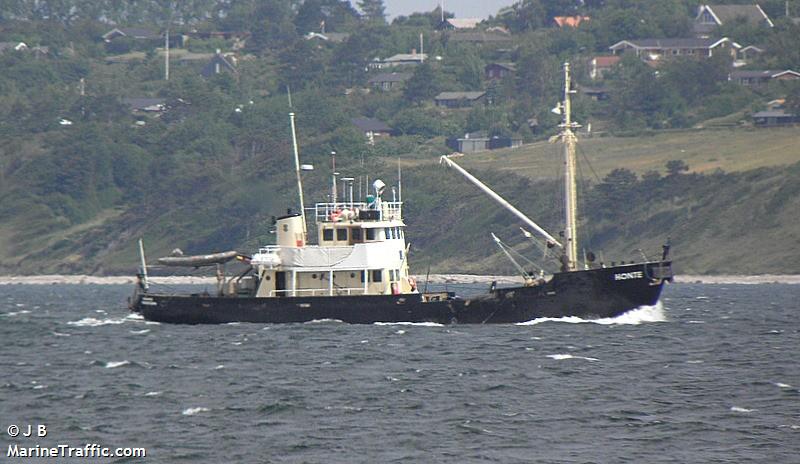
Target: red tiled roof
(606, 61)
(571, 21)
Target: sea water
(711, 374)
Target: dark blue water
(716, 380)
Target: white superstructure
(361, 250)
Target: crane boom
(450, 163)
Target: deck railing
(333, 212)
(318, 292)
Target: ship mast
(570, 189)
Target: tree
(423, 85)
(675, 167)
(373, 11)
(617, 184)
(325, 15)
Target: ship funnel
(379, 187)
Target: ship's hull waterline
(590, 294)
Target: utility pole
(166, 55)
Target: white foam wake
(636, 316)
(93, 322)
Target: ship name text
(629, 275)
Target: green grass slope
(742, 221)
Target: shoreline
(58, 279)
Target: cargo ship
(357, 271)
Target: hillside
(742, 222)
(731, 150)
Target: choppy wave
(559, 357)
(193, 411)
(15, 313)
(419, 324)
(636, 316)
(740, 409)
(115, 364)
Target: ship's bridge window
(356, 235)
(327, 235)
(370, 234)
(377, 275)
(341, 234)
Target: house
(40, 50)
(570, 21)
(757, 78)
(653, 50)
(479, 37)
(498, 30)
(710, 17)
(145, 105)
(372, 128)
(499, 70)
(750, 52)
(458, 99)
(453, 24)
(401, 59)
(220, 63)
(774, 118)
(16, 46)
(504, 142)
(469, 143)
(239, 38)
(479, 141)
(136, 33)
(595, 93)
(600, 65)
(332, 37)
(389, 81)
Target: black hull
(590, 294)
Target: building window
(327, 235)
(341, 234)
(377, 275)
(370, 234)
